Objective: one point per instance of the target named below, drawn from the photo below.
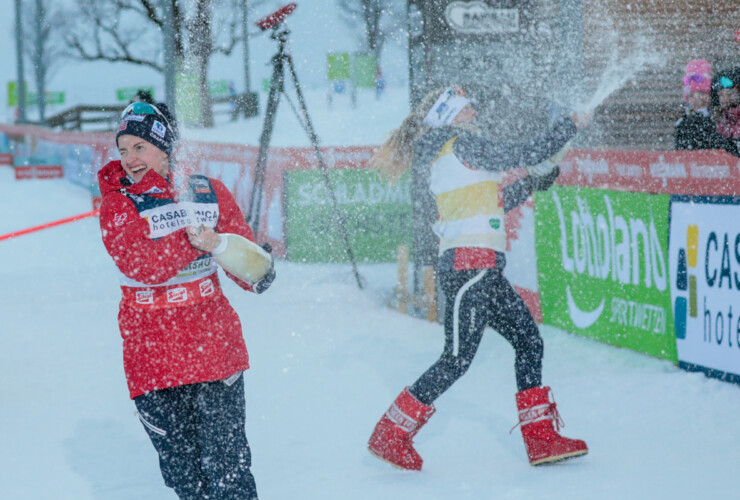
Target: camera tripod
(280, 60)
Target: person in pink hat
(696, 130)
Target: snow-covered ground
(327, 359)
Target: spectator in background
(726, 95)
(696, 130)
(379, 82)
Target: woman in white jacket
(457, 176)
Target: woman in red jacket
(183, 349)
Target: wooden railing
(103, 117)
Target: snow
(340, 124)
(326, 361)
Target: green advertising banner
(363, 70)
(602, 262)
(218, 88)
(32, 98)
(377, 216)
(51, 98)
(338, 66)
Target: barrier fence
(639, 249)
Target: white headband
(446, 108)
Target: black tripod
(277, 87)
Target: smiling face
(699, 100)
(139, 156)
(729, 98)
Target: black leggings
(198, 432)
(477, 299)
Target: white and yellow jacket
(459, 192)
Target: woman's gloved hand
(543, 175)
(582, 119)
(541, 169)
(263, 284)
(203, 238)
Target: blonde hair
(395, 155)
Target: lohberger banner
(705, 283)
(377, 216)
(602, 265)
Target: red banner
(38, 172)
(708, 172)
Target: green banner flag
(32, 98)
(218, 88)
(363, 70)
(51, 98)
(338, 66)
(13, 93)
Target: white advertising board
(704, 258)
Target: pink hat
(698, 78)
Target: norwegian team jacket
(459, 193)
(177, 326)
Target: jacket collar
(112, 177)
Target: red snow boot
(392, 439)
(541, 423)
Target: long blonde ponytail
(395, 155)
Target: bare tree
(129, 31)
(373, 21)
(44, 51)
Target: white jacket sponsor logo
(175, 214)
(120, 219)
(169, 218)
(206, 288)
(145, 297)
(179, 294)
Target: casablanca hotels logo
(707, 282)
(687, 259)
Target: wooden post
(430, 294)
(402, 287)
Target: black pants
(198, 432)
(477, 299)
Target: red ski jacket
(177, 326)
(729, 123)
